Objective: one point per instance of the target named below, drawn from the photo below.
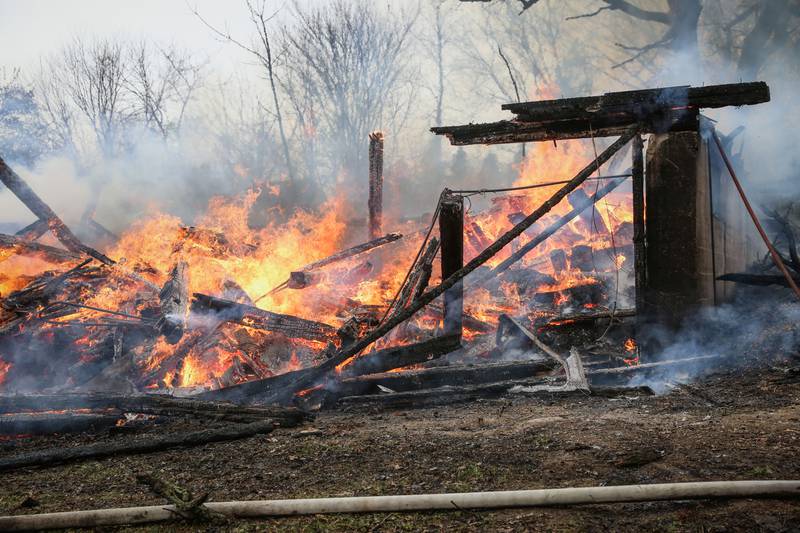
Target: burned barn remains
(544, 293)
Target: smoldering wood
(155, 404)
(549, 232)
(174, 303)
(591, 218)
(38, 293)
(253, 317)
(48, 423)
(315, 374)
(34, 230)
(400, 356)
(420, 276)
(375, 204)
(445, 375)
(558, 260)
(12, 245)
(39, 208)
(234, 292)
(506, 323)
(147, 444)
(451, 235)
(653, 111)
(457, 394)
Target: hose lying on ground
(420, 502)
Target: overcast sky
(32, 28)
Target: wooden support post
(639, 251)
(375, 183)
(451, 231)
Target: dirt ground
(738, 425)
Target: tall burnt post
(639, 250)
(451, 232)
(375, 183)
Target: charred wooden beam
(632, 102)
(39, 208)
(758, 280)
(449, 395)
(420, 276)
(11, 245)
(652, 110)
(375, 183)
(155, 404)
(253, 317)
(59, 455)
(48, 423)
(451, 233)
(315, 374)
(513, 131)
(400, 356)
(34, 230)
(639, 250)
(174, 301)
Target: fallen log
(174, 302)
(12, 245)
(22, 191)
(149, 444)
(339, 256)
(155, 404)
(416, 502)
(253, 317)
(48, 423)
(310, 378)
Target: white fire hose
(420, 502)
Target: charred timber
(34, 230)
(48, 423)
(375, 183)
(155, 404)
(174, 301)
(354, 251)
(39, 208)
(451, 234)
(12, 245)
(758, 280)
(516, 131)
(641, 102)
(51, 456)
(253, 317)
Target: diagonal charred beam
(17, 185)
(310, 378)
(253, 317)
(34, 230)
(11, 245)
(400, 356)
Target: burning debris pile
(296, 313)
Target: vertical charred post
(375, 184)
(639, 250)
(451, 233)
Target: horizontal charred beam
(48, 423)
(517, 131)
(253, 317)
(642, 101)
(150, 404)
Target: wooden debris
(451, 233)
(63, 422)
(400, 356)
(187, 505)
(12, 245)
(152, 443)
(34, 230)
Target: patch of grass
(760, 471)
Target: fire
(632, 348)
(4, 368)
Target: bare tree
(161, 83)
(262, 50)
(347, 57)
